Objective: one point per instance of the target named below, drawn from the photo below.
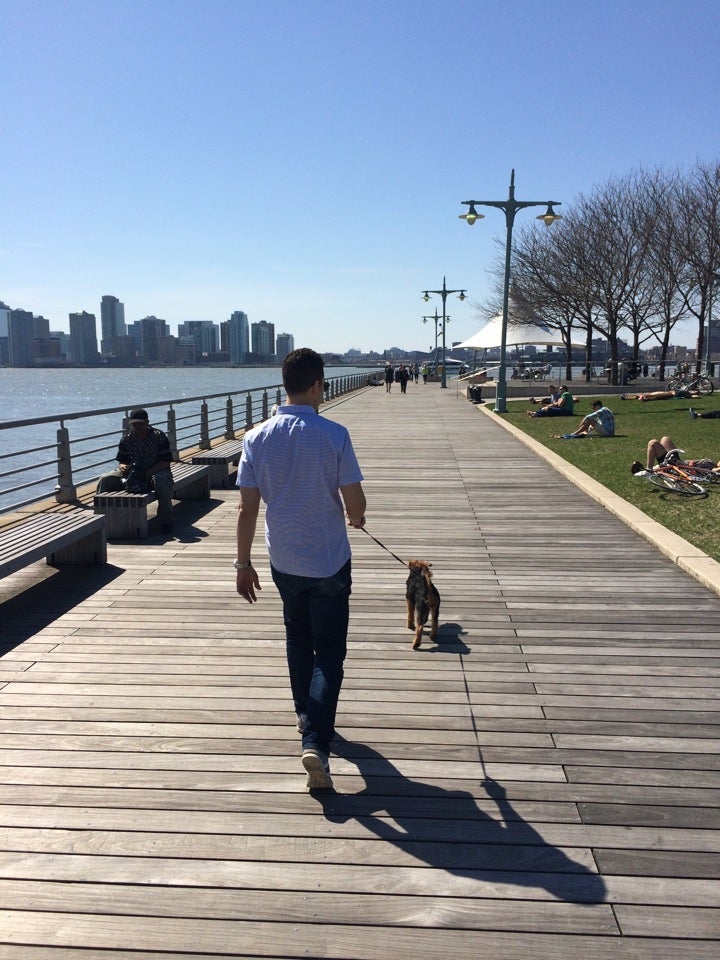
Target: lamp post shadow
(447, 830)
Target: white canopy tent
(518, 334)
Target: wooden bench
(218, 459)
(70, 537)
(126, 513)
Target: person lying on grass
(661, 395)
(708, 415)
(657, 450)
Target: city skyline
(27, 339)
(311, 163)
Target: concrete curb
(689, 558)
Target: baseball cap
(138, 416)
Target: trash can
(474, 392)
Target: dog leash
(383, 546)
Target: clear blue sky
(305, 161)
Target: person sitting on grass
(599, 423)
(562, 407)
(657, 450)
(553, 395)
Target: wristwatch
(242, 566)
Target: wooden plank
(549, 769)
(449, 912)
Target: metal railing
(51, 457)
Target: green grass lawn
(608, 459)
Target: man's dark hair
(301, 369)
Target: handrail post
(278, 397)
(248, 412)
(65, 491)
(204, 427)
(229, 429)
(264, 405)
(172, 433)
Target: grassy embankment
(608, 459)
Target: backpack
(136, 481)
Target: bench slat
(70, 537)
(127, 512)
(218, 459)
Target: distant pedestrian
(402, 377)
(389, 377)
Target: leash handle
(383, 546)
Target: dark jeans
(161, 482)
(316, 611)
(552, 412)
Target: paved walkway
(542, 782)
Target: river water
(26, 394)
(49, 393)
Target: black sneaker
(693, 414)
(636, 467)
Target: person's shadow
(447, 830)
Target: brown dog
(423, 600)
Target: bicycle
(700, 383)
(681, 476)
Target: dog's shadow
(448, 640)
(447, 830)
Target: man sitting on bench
(146, 449)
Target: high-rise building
(63, 341)
(41, 328)
(4, 324)
(263, 340)
(284, 344)
(83, 338)
(204, 336)
(712, 340)
(21, 351)
(112, 322)
(148, 333)
(238, 337)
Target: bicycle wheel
(686, 488)
(705, 386)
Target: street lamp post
(510, 208)
(444, 294)
(436, 318)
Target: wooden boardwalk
(542, 783)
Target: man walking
(304, 468)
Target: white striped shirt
(298, 460)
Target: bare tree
(666, 263)
(637, 255)
(698, 213)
